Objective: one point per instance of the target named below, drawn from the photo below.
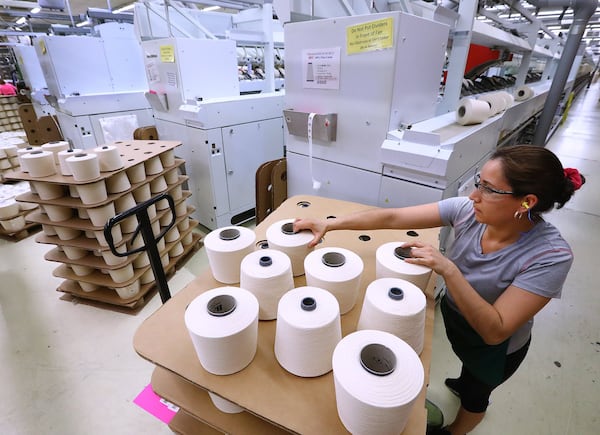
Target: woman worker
(505, 264)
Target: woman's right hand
(317, 226)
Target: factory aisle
(70, 368)
(555, 391)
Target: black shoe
(453, 385)
(438, 431)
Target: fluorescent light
(83, 23)
(22, 20)
(124, 8)
(35, 10)
(211, 8)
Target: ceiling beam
(18, 4)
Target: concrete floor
(69, 368)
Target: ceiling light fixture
(124, 8)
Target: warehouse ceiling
(73, 12)
(27, 16)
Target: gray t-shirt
(538, 262)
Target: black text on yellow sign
(371, 36)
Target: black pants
(475, 394)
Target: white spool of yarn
(136, 174)
(116, 233)
(173, 235)
(508, 99)
(281, 236)
(223, 326)
(122, 274)
(396, 306)
(111, 259)
(226, 248)
(109, 158)
(21, 152)
(118, 183)
(153, 166)
(48, 191)
(307, 331)
(74, 253)
(159, 184)
(471, 111)
(337, 270)
(10, 150)
(225, 405)
(129, 290)
(9, 208)
(73, 191)
(57, 213)
(88, 286)
(267, 274)
(188, 239)
(56, 147)
(172, 176)
(39, 163)
(167, 158)
(13, 225)
(176, 250)
(181, 209)
(81, 270)
(390, 264)
(124, 203)
(147, 277)
(92, 193)
(142, 193)
(84, 166)
(49, 230)
(523, 93)
(65, 233)
(176, 193)
(496, 101)
(100, 215)
(62, 160)
(377, 378)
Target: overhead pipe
(582, 10)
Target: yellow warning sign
(371, 36)
(167, 53)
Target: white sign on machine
(321, 68)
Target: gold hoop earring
(518, 215)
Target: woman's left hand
(428, 256)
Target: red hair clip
(574, 176)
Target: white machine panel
(34, 78)
(94, 78)
(90, 65)
(371, 91)
(124, 57)
(222, 164)
(336, 181)
(243, 157)
(183, 70)
(86, 131)
(68, 63)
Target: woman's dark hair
(536, 170)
